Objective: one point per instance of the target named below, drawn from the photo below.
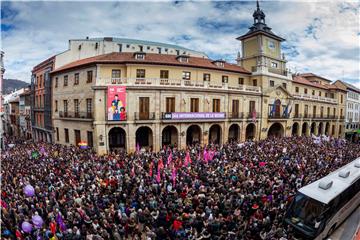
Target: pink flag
(160, 164)
(211, 155)
(133, 171)
(173, 176)
(158, 177)
(187, 159)
(151, 169)
(169, 158)
(206, 155)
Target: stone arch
(250, 131)
(276, 130)
(117, 138)
(234, 132)
(193, 134)
(215, 132)
(170, 135)
(144, 136)
(295, 129)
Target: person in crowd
(229, 191)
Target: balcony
(251, 115)
(277, 112)
(77, 115)
(313, 97)
(271, 71)
(235, 115)
(297, 115)
(144, 116)
(178, 83)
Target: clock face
(271, 45)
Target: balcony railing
(312, 97)
(178, 83)
(85, 115)
(250, 115)
(144, 116)
(297, 115)
(235, 115)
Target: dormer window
(219, 63)
(183, 58)
(140, 55)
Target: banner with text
(194, 115)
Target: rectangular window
(77, 137)
(186, 75)
(254, 82)
(272, 83)
(76, 79)
(334, 112)
(235, 107)
(274, 65)
(65, 80)
(297, 89)
(322, 112)
(241, 81)
(314, 111)
(225, 79)
(57, 134)
(65, 106)
(120, 47)
(206, 77)
(216, 105)
(90, 140)
(194, 105)
(140, 73)
(66, 132)
(170, 104)
(251, 106)
(306, 110)
(144, 107)
(326, 95)
(319, 93)
(76, 107)
(164, 74)
(313, 92)
(89, 106)
(341, 97)
(284, 85)
(305, 90)
(296, 110)
(56, 105)
(89, 76)
(115, 74)
(56, 82)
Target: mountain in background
(10, 85)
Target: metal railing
(250, 115)
(235, 115)
(313, 97)
(85, 115)
(144, 116)
(178, 83)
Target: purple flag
(169, 158)
(60, 222)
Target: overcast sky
(321, 37)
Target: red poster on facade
(116, 103)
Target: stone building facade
(181, 99)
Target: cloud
(322, 37)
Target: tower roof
(259, 26)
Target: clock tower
(261, 48)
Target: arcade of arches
(196, 133)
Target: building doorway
(117, 138)
(215, 134)
(295, 129)
(193, 135)
(234, 132)
(144, 137)
(276, 130)
(169, 136)
(250, 131)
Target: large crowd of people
(228, 191)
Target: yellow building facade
(181, 100)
